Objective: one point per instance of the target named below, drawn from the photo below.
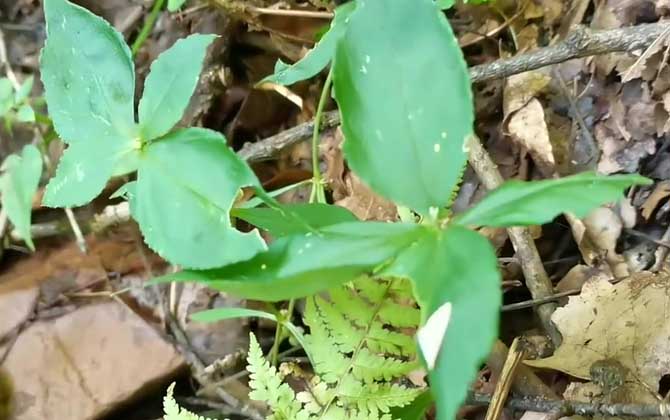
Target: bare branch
(583, 42)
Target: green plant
(14, 102)
(174, 412)
(404, 95)
(358, 351)
(18, 184)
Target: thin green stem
(148, 26)
(279, 331)
(318, 193)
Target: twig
(288, 12)
(493, 32)
(537, 280)
(198, 366)
(556, 296)
(647, 237)
(504, 384)
(581, 43)
(5, 62)
(525, 382)
(568, 407)
(268, 148)
(76, 229)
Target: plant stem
(148, 26)
(318, 193)
(279, 332)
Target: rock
(86, 363)
(17, 302)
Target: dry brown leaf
(364, 203)
(331, 151)
(624, 324)
(528, 127)
(521, 88)
(627, 134)
(661, 191)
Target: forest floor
(88, 340)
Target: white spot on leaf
(431, 335)
(444, 134)
(264, 266)
(364, 70)
(79, 172)
(437, 147)
(367, 59)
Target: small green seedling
(405, 100)
(15, 102)
(19, 180)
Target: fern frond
(266, 385)
(369, 367)
(330, 364)
(371, 400)
(359, 343)
(173, 411)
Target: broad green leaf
(319, 57)
(83, 171)
(518, 203)
(24, 91)
(89, 81)
(18, 185)
(405, 100)
(170, 85)
(301, 265)
(186, 185)
(457, 285)
(220, 314)
(174, 5)
(88, 75)
(25, 113)
(286, 220)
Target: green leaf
(286, 220)
(220, 314)
(88, 75)
(90, 88)
(25, 89)
(170, 85)
(405, 100)
(457, 285)
(445, 4)
(83, 171)
(174, 5)
(18, 185)
(186, 184)
(319, 57)
(518, 203)
(301, 265)
(25, 113)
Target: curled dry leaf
(624, 325)
(527, 127)
(525, 118)
(661, 191)
(364, 203)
